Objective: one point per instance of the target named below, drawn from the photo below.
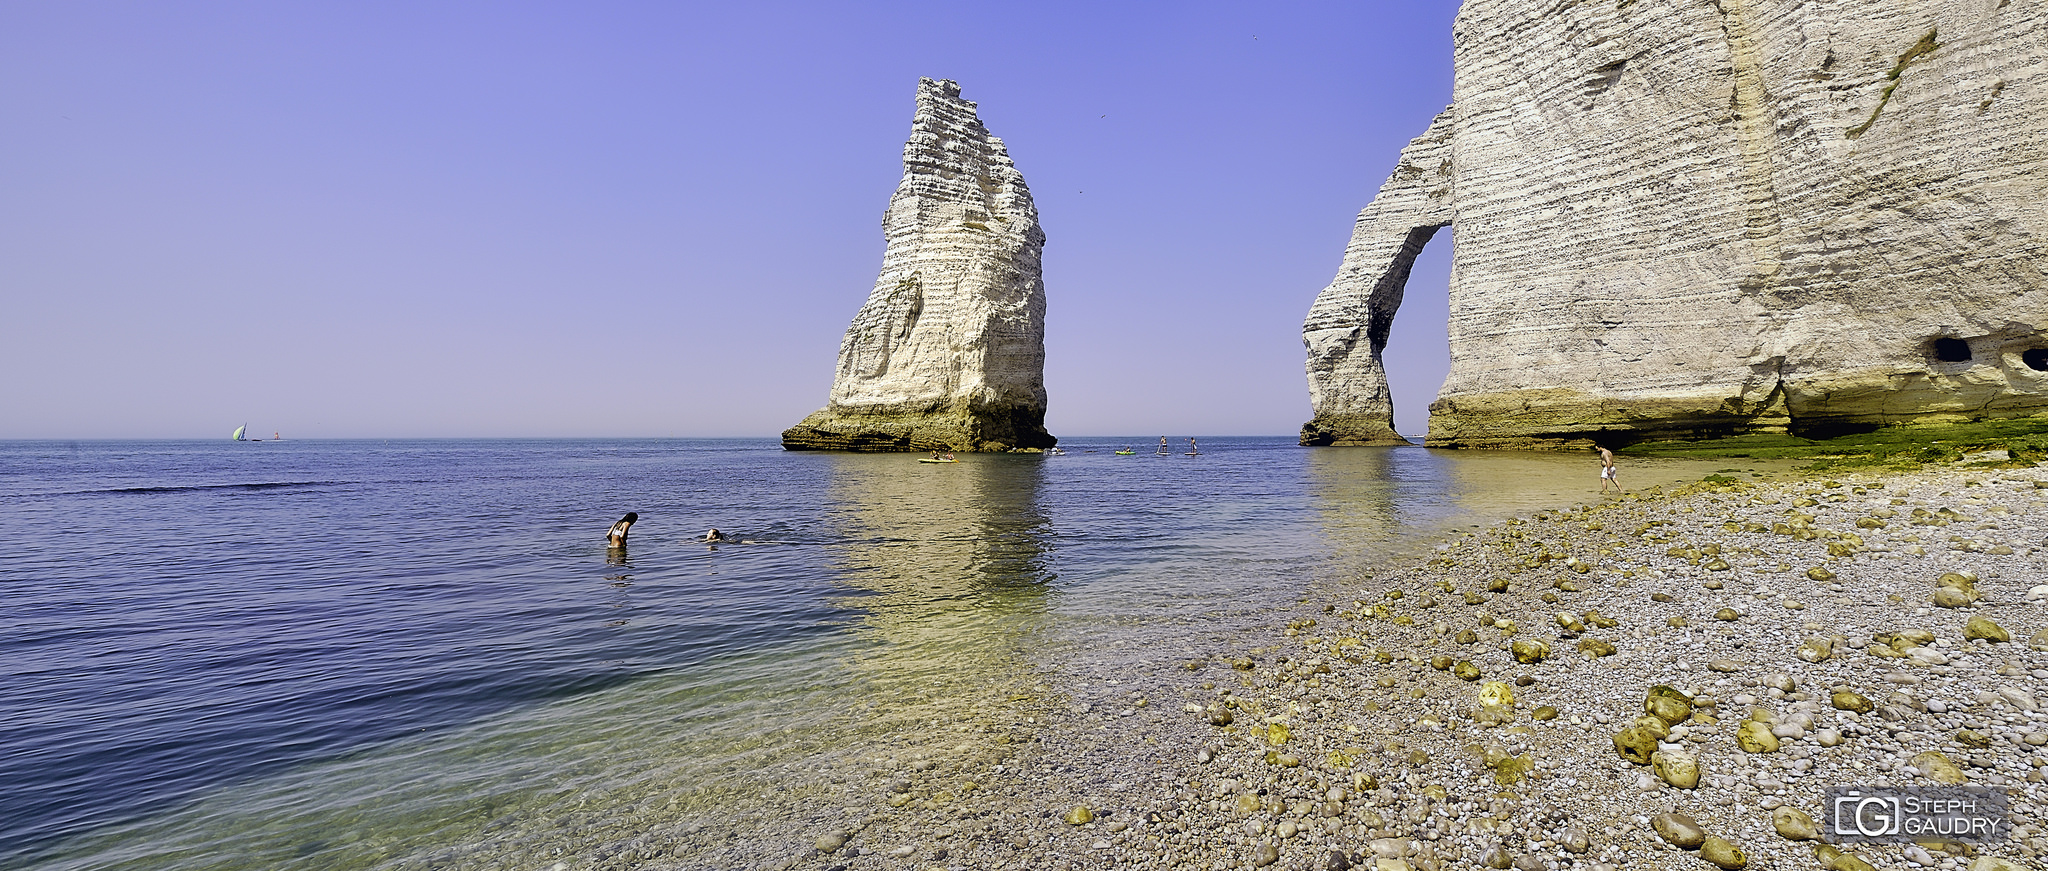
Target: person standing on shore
(617, 536)
(1607, 470)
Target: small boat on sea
(931, 460)
(1125, 453)
(241, 433)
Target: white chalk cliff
(948, 353)
(1684, 218)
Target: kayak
(930, 460)
(1125, 453)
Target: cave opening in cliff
(1417, 355)
(2035, 358)
(1951, 350)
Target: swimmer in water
(617, 536)
(714, 536)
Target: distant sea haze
(333, 654)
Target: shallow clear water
(350, 654)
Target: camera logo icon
(1858, 814)
(1897, 814)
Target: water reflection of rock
(1371, 500)
(947, 564)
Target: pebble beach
(1665, 680)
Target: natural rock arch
(1678, 219)
(1347, 328)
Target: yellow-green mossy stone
(1653, 725)
(1679, 830)
(1845, 700)
(1981, 626)
(1079, 816)
(1496, 692)
(1667, 704)
(1465, 670)
(1819, 575)
(1950, 597)
(1935, 766)
(1595, 648)
(1543, 713)
(1794, 824)
(1278, 733)
(1570, 622)
(1511, 770)
(1530, 651)
(1676, 767)
(1728, 614)
(1723, 854)
(1831, 858)
(1755, 737)
(1635, 744)
(1816, 649)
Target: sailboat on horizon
(241, 433)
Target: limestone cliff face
(1705, 217)
(949, 351)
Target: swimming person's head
(632, 517)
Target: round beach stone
(1755, 737)
(1936, 766)
(1676, 767)
(1831, 858)
(1667, 704)
(1983, 627)
(1951, 597)
(1679, 830)
(1723, 853)
(1794, 824)
(1636, 744)
(1845, 700)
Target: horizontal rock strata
(948, 353)
(1680, 219)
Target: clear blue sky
(393, 219)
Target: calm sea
(339, 654)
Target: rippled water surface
(341, 654)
